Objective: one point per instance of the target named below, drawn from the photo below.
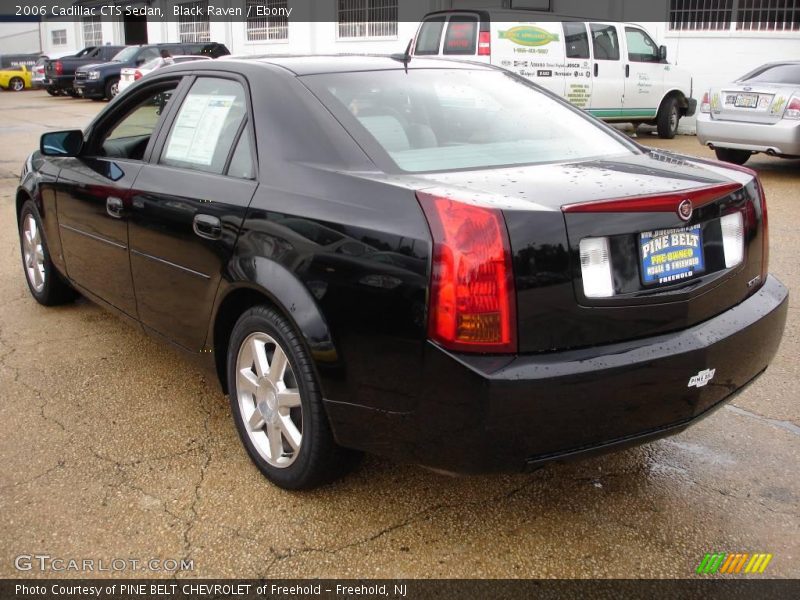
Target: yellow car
(15, 79)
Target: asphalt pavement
(114, 446)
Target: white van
(614, 70)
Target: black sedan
(433, 261)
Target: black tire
(731, 155)
(667, 118)
(52, 91)
(17, 84)
(55, 289)
(319, 459)
(112, 88)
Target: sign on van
(528, 35)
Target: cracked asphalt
(114, 446)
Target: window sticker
(198, 127)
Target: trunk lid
(549, 209)
(751, 102)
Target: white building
(19, 38)
(716, 40)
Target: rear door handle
(627, 70)
(207, 227)
(596, 70)
(115, 207)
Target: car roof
(342, 63)
(520, 14)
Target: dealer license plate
(746, 100)
(671, 255)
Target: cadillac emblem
(685, 209)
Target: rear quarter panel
(342, 250)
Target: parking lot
(114, 446)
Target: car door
(93, 196)
(644, 75)
(608, 84)
(188, 204)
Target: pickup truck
(59, 74)
(99, 81)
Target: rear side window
(776, 74)
(461, 36)
(605, 42)
(206, 126)
(242, 161)
(430, 33)
(577, 40)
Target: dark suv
(99, 81)
(59, 74)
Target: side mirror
(61, 143)
(662, 53)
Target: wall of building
(19, 38)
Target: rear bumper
(64, 82)
(782, 137)
(481, 413)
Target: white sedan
(131, 75)
(760, 112)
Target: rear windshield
(461, 35)
(437, 119)
(775, 74)
(429, 35)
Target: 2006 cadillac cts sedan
(434, 261)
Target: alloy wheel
(269, 399)
(17, 84)
(33, 253)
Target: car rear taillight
(59, 67)
(762, 198)
(137, 75)
(484, 43)
(732, 226)
(705, 105)
(596, 268)
(764, 232)
(472, 298)
(792, 109)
